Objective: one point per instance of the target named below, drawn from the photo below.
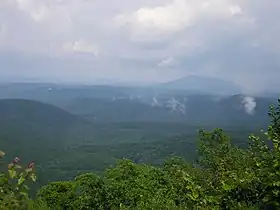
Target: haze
(140, 41)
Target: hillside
(89, 133)
(119, 110)
(225, 176)
(36, 113)
(64, 145)
(31, 119)
(201, 110)
(40, 131)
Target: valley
(72, 130)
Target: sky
(141, 41)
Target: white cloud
(235, 10)
(167, 62)
(80, 46)
(147, 40)
(250, 104)
(172, 17)
(175, 16)
(37, 10)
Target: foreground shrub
(13, 184)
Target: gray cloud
(141, 40)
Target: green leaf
(275, 192)
(277, 183)
(12, 174)
(226, 187)
(33, 177)
(24, 194)
(28, 170)
(21, 180)
(18, 167)
(25, 187)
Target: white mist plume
(175, 105)
(155, 102)
(250, 104)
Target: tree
(58, 195)
(91, 192)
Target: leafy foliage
(13, 186)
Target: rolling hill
(25, 119)
(56, 139)
(36, 113)
(196, 109)
(41, 132)
(135, 104)
(119, 110)
(64, 143)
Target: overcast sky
(141, 40)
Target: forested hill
(41, 132)
(26, 120)
(26, 112)
(66, 144)
(224, 177)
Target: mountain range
(124, 104)
(203, 84)
(70, 129)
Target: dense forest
(65, 143)
(223, 176)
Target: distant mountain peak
(204, 84)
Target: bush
(13, 187)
